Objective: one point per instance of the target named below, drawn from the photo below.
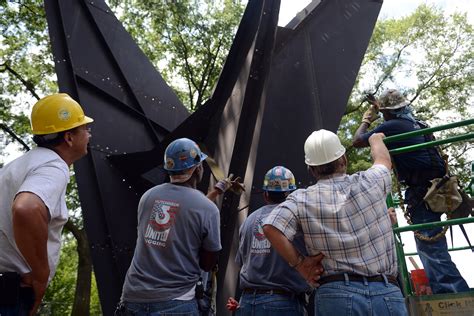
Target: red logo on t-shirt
(163, 214)
(258, 230)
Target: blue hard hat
(279, 179)
(182, 154)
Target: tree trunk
(82, 297)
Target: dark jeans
(25, 303)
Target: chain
(417, 234)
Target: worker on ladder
(415, 170)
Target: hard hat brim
(84, 121)
(87, 120)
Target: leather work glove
(370, 115)
(236, 186)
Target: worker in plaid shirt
(345, 218)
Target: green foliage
(60, 292)
(27, 73)
(26, 63)
(186, 40)
(57, 299)
(428, 56)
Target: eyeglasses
(83, 128)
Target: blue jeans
(269, 304)
(173, 307)
(354, 298)
(441, 271)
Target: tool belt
(358, 278)
(421, 177)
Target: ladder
(436, 304)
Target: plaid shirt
(346, 219)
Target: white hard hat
(322, 147)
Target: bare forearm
(213, 194)
(358, 141)
(207, 259)
(281, 244)
(30, 229)
(309, 268)
(379, 151)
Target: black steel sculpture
(276, 87)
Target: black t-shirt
(423, 161)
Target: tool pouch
(443, 196)
(199, 292)
(9, 288)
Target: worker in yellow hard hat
(32, 202)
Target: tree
(192, 41)
(27, 71)
(23, 68)
(429, 56)
(426, 54)
(186, 40)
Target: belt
(269, 291)
(358, 278)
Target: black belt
(358, 278)
(269, 291)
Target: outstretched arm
(358, 141)
(369, 116)
(379, 151)
(235, 185)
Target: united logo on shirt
(260, 243)
(258, 229)
(160, 222)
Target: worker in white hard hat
(345, 218)
(415, 170)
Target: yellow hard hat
(56, 113)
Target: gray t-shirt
(42, 172)
(261, 266)
(174, 223)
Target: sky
(390, 8)
(395, 9)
